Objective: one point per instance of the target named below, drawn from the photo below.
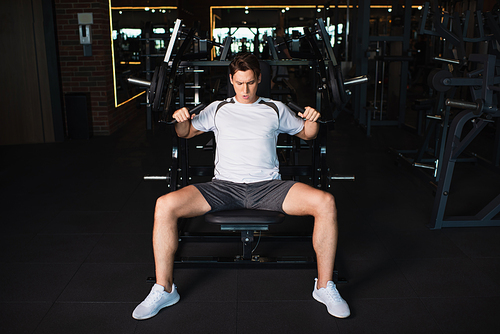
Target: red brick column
(90, 74)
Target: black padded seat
(258, 220)
(247, 221)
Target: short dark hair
(244, 62)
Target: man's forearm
(311, 129)
(183, 129)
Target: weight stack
(78, 115)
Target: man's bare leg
(183, 203)
(303, 200)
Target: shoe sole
(335, 315)
(161, 308)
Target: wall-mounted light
(85, 20)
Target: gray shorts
(226, 195)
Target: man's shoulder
(266, 100)
(214, 106)
(217, 102)
(278, 106)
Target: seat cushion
(245, 216)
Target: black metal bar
(441, 142)
(404, 63)
(247, 239)
(173, 74)
(270, 42)
(226, 48)
(454, 147)
(175, 162)
(326, 40)
(496, 149)
(459, 145)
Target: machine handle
(356, 80)
(296, 108)
(461, 104)
(196, 110)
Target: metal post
(382, 82)
(360, 60)
(149, 122)
(404, 64)
(377, 50)
(454, 146)
(496, 151)
(347, 23)
(247, 239)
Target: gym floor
(76, 247)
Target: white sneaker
(157, 299)
(330, 296)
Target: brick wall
(91, 74)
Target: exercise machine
(166, 93)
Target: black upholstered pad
(245, 217)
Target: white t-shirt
(246, 137)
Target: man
(246, 176)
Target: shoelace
(333, 293)
(152, 298)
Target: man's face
(245, 85)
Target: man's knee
(329, 200)
(166, 204)
(161, 202)
(183, 203)
(325, 203)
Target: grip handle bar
(296, 108)
(196, 110)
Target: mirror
(140, 36)
(250, 25)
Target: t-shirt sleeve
(290, 123)
(204, 121)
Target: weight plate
(432, 73)
(334, 87)
(340, 83)
(152, 87)
(437, 80)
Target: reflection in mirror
(276, 34)
(140, 37)
(250, 25)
